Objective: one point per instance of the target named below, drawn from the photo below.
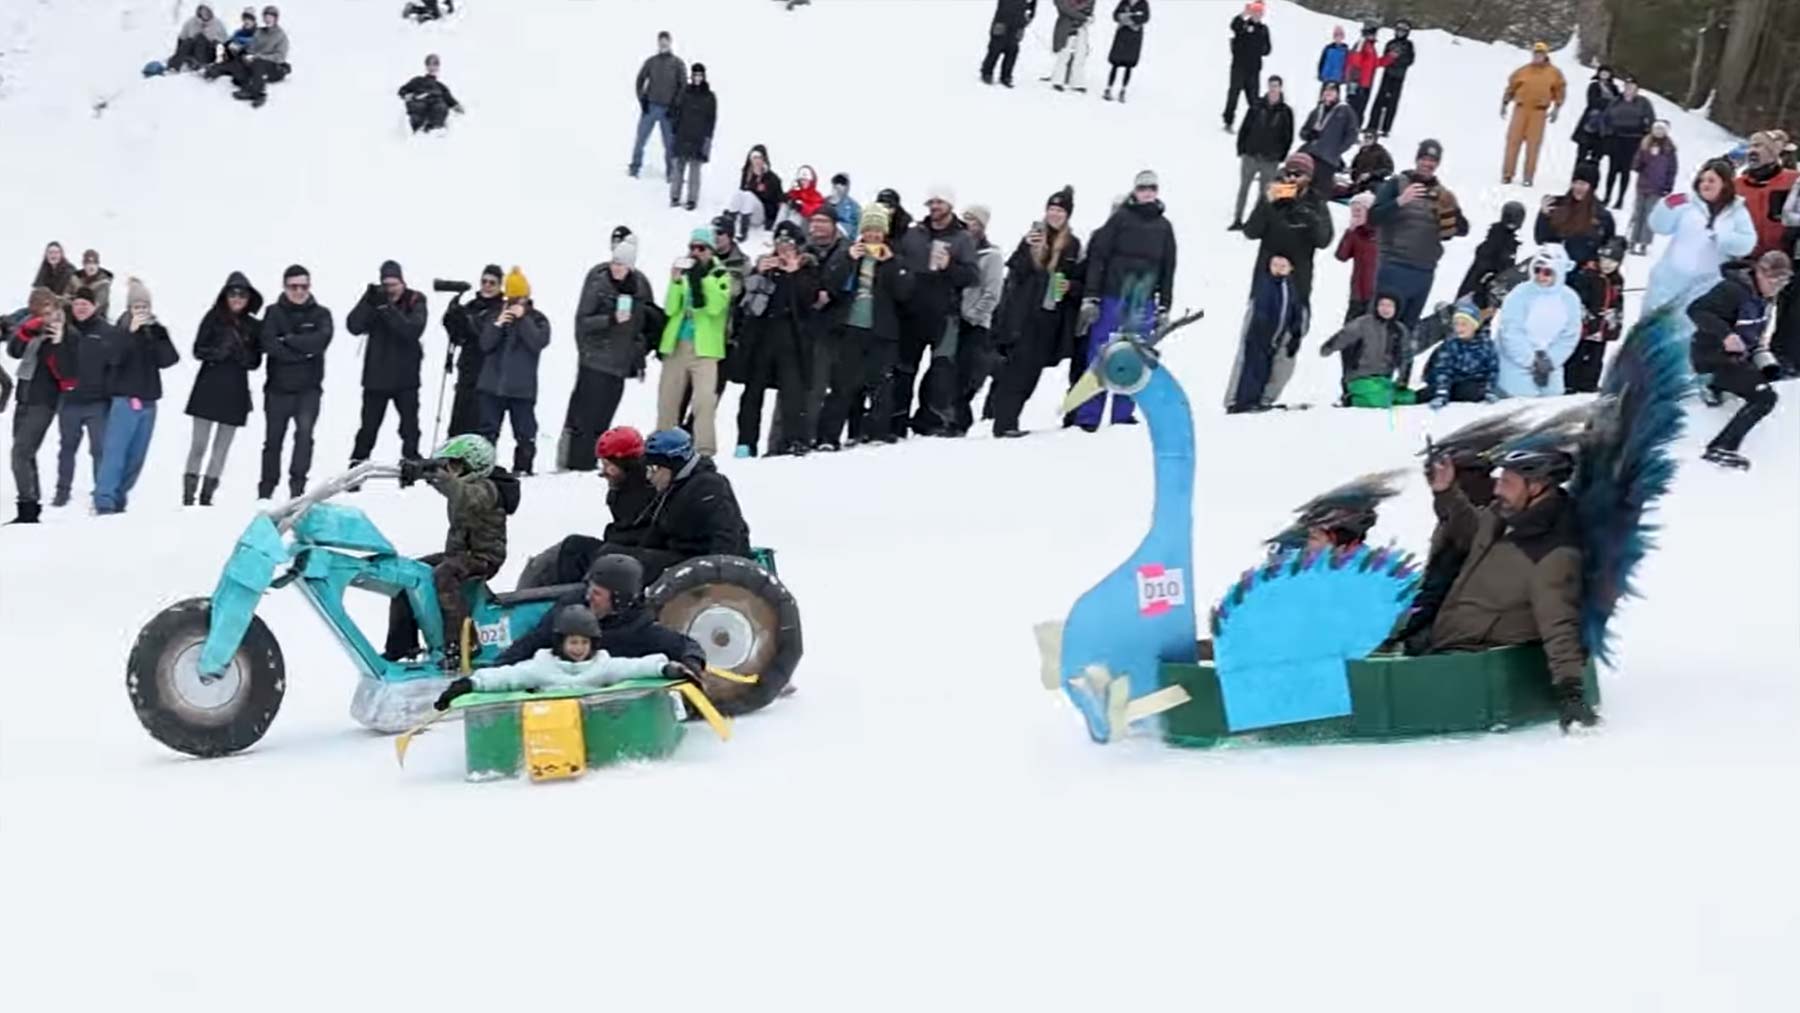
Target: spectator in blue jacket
(1465, 368)
(510, 345)
(1540, 325)
(1333, 60)
(140, 351)
(844, 207)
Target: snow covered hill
(921, 826)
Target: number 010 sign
(1160, 589)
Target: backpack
(507, 485)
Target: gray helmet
(1543, 465)
(620, 574)
(576, 620)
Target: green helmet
(474, 451)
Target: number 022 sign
(1160, 589)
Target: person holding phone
(611, 318)
(1415, 214)
(511, 344)
(35, 342)
(878, 284)
(941, 255)
(140, 351)
(1035, 324)
(698, 302)
(83, 360)
(391, 318)
(1291, 221)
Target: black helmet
(1371, 28)
(576, 621)
(620, 574)
(1512, 215)
(1542, 465)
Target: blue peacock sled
(207, 676)
(1293, 654)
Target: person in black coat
(1578, 219)
(1036, 323)
(428, 100)
(228, 347)
(1291, 221)
(1249, 44)
(391, 317)
(1130, 17)
(696, 116)
(780, 306)
(613, 591)
(462, 327)
(1499, 251)
(82, 362)
(1730, 324)
(1262, 145)
(875, 282)
(140, 351)
(1010, 19)
(759, 194)
(696, 513)
(1397, 57)
(296, 331)
(1590, 126)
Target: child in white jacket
(577, 662)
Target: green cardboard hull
(630, 721)
(1391, 698)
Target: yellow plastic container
(554, 745)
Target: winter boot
(1121, 96)
(207, 487)
(29, 511)
(743, 226)
(1711, 397)
(524, 455)
(1726, 458)
(744, 450)
(1237, 225)
(1107, 94)
(562, 451)
(188, 484)
(61, 499)
(296, 487)
(1572, 706)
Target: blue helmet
(668, 448)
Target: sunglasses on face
(489, 282)
(298, 286)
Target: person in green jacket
(699, 302)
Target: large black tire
(191, 714)
(743, 617)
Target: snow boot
(1121, 96)
(188, 484)
(61, 499)
(524, 456)
(208, 486)
(1236, 225)
(689, 205)
(296, 487)
(1711, 397)
(29, 512)
(1572, 707)
(987, 79)
(1107, 94)
(1726, 458)
(744, 450)
(1059, 87)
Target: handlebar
(286, 514)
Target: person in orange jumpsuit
(1536, 91)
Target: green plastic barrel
(630, 721)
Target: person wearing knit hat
(1293, 223)
(1396, 59)
(613, 317)
(142, 351)
(940, 254)
(463, 323)
(1064, 199)
(898, 218)
(1415, 215)
(874, 219)
(81, 364)
(99, 279)
(1465, 368)
(1135, 246)
(391, 319)
(1578, 219)
(513, 341)
(695, 117)
(876, 284)
(1042, 301)
(698, 304)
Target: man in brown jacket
(1535, 91)
(1521, 579)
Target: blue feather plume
(1625, 466)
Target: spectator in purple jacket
(1656, 165)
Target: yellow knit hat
(515, 286)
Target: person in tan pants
(1538, 89)
(699, 303)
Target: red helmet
(620, 443)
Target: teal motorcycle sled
(207, 676)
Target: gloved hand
(412, 471)
(1090, 312)
(458, 687)
(679, 670)
(1540, 368)
(373, 295)
(1439, 402)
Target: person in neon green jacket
(693, 342)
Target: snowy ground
(921, 826)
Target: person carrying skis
(578, 661)
(1520, 581)
(1396, 58)
(1128, 43)
(1540, 324)
(391, 318)
(1249, 44)
(1010, 19)
(1731, 343)
(428, 100)
(1069, 41)
(1536, 92)
(1601, 289)
(479, 497)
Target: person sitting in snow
(263, 61)
(1495, 254)
(428, 100)
(1540, 323)
(422, 11)
(198, 44)
(1373, 346)
(844, 207)
(1370, 167)
(759, 194)
(801, 199)
(613, 591)
(578, 661)
(1601, 288)
(480, 496)
(1465, 368)
(1520, 581)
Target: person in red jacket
(1765, 184)
(1362, 248)
(1360, 70)
(801, 199)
